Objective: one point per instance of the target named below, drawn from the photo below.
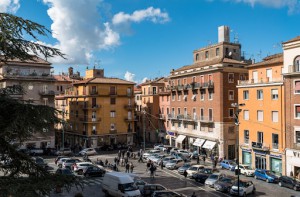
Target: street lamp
(237, 123)
(63, 125)
(144, 127)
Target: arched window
(297, 64)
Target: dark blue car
(265, 175)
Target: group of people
(151, 168)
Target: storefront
(247, 157)
(198, 144)
(292, 162)
(276, 164)
(179, 141)
(260, 160)
(211, 147)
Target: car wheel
(255, 177)
(245, 194)
(295, 188)
(80, 172)
(267, 180)
(280, 184)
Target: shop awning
(180, 138)
(199, 142)
(209, 144)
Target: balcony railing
(90, 120)
(86, 106)
(162, 116)
(171, 116)
(260, 146)
(129, 107)
(294, 68)
(259, 81)
(47, 93)
(208, 85)
(94, 93)
(206, 119)
(113, 131)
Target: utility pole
(237, 123)
(63, 125)
(144, 128)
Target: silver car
(174, 164)
(210, 181)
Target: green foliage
(12, 42)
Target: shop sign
(171, 133)
(292, 153)
(276, 156)
(246, 150)
(259, 152)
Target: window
(297, 64)
(269, 75)
(201, 114)
(297, 111)
(94, 89)
(246, 136)
(297, 135)
(45, 88)
(210, 114)
(202, 79)
(210, 95)
(206, 54)
(162, 110)
(185, 96)
(94, 102)
(255, 76)
(154, 90)
(217, 51)
(45, 101)
(297, 87)
(245, 94)
(231, 112)
(230, 95)
(112, 90)
(260, 137)
(194, 97)
(195, 126)
(202, 95)
(76, 114)
(230, 77)
(184, 125)
(260, 115)
(178, 82)
(173, 96)
(274, 94)
(129, 93)
(259, 94)
(274, 116)
(210, 78)
(246, 114)
(112, 114)
(197, 57)
(179, 96)
(275, 141)
(194, 79)
(112, 101)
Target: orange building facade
(262, 116)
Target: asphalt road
(171, 180)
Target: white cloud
(79, 30)
(152, 14)
(10, 6)
(292, 5)
(144, 80)
(129, 76)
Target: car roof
(197, 165)
(84, 162)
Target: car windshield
(129, 186)
(241, 184)
(207, 171)
(269, 173)
(172, 161)
(186, 165)
(213, 176)
(231, 163)
(226, 180)
(247, 167)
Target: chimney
(70, 71)
(224, 35)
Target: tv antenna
(97, 63)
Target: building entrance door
(260, 162)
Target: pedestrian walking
(185, 174)
(161, 165)
(152, 170)
(198, 159)
(148, 165)
(141, 159)
(131, 167)
(128, 154)
(127, 168)
(203, 158)
(126, 160)
(123, 153)
(106, 162)
(194, 194)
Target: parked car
(224, 184)
(246, 187)
(61, 160)
(36, 151)
(151, 188)
(245, 170)
(174, 164)
(64, 171)
(184, 168)
(193, 169)
(140, 184)
(40, 162)
(166, 193)
(80, 166)
(210, 181)
(156, 158)
(58, 158)
(93, 171)
(195, 154)
(202, 175)
(173, 150)
(166, 160)
(184, 153)
(88, 151)
(149, 153)
(69, 163)
(167, 148)
(228, 164)
(266, 175)
(158, 147)
(289, 182)
(64, 151)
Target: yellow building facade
(100, 111)
(261, 118)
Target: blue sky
(138, 39)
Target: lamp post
(237, 123)
(144, 128)
(63, 125)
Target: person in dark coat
(127, 168)
(161, 164)
(198, 159)
(185, 173)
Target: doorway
(260, 162)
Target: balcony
(180, 87)
(171, 116)
(206, 119)
(90, 120)
(162, 116)
(173, 88)
(208, 85)
(130, 119)
(294, 68)
(47, 93)
(260, 146)
(94, 93)
(261, 81)
(113, 131)
(85, 107)
(195, 86)
(245, 144)
(129, 107)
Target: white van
(119, 184)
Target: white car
(245, 169)
(193, 169)
(61, 161)
(246, 187)
(158, 147)
(88, 151)
(80, 166)
(184, 153)
(149, 153)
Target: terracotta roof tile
(35, 60)
(292, 40)
(105, 80)
(272, 59)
